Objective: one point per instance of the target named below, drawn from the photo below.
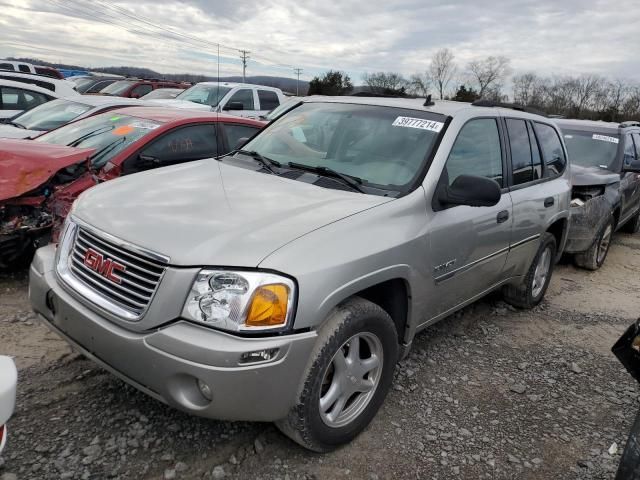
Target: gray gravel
(490, 392)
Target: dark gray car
(283, 282)
(605, 161)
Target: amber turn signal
(268, 307)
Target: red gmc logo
(103, 266)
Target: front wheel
(594, 258)
(531, 291)
(348, 377)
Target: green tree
(331, 83)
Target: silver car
(284, 281)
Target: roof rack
(630, 123)
(512, 106)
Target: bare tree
(385, 82)
(442, 69)
(419, 84)
(585, 89)
(489, 74)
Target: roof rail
(513, 106)
(630, 123)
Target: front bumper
(585, 223)
(167, 362)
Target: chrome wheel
(351, 379)
(605, 241)
(541, 273)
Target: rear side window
(521, 159)
(551, 149)
(24, 68)
(476, 151)
(18, 99)
(245, 97)
(235, 132)
(268, 100)
(184, 144)
(636, 140)
(629, 151)
(6, 66)
(141, 90)
(535, 153)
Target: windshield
(590, 149)
(117, 88)
(80, 80)
(204, 94)
(384, 147)
(50, 115)
(162, 93)
(108, 133)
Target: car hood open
(208, 213)
(25, 164)
(584, 176)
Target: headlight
(240, 301)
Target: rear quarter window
(552, 150)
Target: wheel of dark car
(531, 291)
(594, 258)
(633, 225)
(347, 379)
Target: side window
(18, 99)
(180, 145)
(268, 100)
(24, 68)
(535, 153)
(141, 90)
(33, 99)
(636, 140)
(521, 160)
(476, 151)
(235, 132)
(629, 150)
(551, 149)
(6, 66)
(245, 97)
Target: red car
(133, 88)
(40, 178)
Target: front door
(469, 245)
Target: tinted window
(24, 68)
(141, 90)
(18, 99)
(551, 149)
(629, 151)
(39, 83)
(6, 66)
(521, 160)
(245, 97)
(268, 100)
(95, 88)
(535, 153)
(636, 139)
(235, 132)
(476, 152)
(183, 144)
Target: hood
(584, 176)
(25, 164)
(9, 131)
(208, 213)
(174, 103)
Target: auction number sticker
(422, 124)
(605, 138)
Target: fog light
(205, 390)
(259, 355)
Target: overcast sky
(546, 36)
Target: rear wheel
(349, 374)
(531, 291)
(594, 258)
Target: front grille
(139, 280)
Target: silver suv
(284, 281)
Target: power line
(244, 56)
(297, 71)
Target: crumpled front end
(590, 209)
(23, 228)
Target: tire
(324, 429)
(594, 258)
(531, 291)
(633, 225)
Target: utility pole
(244, 56)
(298, 71)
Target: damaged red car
(40, 178)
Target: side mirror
(234, 106)
(633, 166)
(472, 191)
(145, 162)
(240, 143)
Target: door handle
(503, 216)
(548, 202)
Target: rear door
(469, 245)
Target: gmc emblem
(103, 266)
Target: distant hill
(285, 83)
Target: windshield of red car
(117, 88)
(109, 133)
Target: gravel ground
(490, 392)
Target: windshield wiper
(19, 125)
(106, 149)
(92, 133)
(353, 182)
(264, 161)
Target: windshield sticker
(409, 122)
(123, 130)
(144, 125)
(605, 138)
(568, 136)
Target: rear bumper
(167, 362)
